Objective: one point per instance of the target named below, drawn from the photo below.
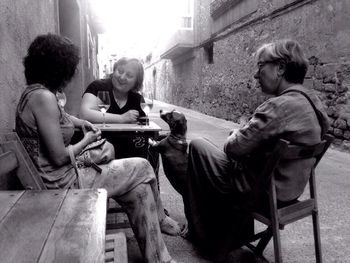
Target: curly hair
(140, 71)
(289, 52)
(51, 61)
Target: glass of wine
(147, 106)
(104, 103)
(61, 99)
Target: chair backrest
(25, 170)
(286, 151)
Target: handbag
(95, 153)
(99, 152)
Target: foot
(170, 227)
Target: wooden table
(53, 226)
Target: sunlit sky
(135, 26)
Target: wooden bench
(18, 172)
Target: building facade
(20, 22)
(209, 65)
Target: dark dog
(173, 149)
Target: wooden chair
(278, 217)
(15, 163)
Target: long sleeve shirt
(289, 116)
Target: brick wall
(227, 89)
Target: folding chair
(278, 217)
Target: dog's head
(176, 120)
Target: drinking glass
(147, 106)
(104, 103)
(61, 99)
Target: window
(186, 14)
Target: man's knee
(197, 143)
(200, 146)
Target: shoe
(170, 227)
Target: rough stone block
(308, 83)
(346, 146)
(338, 132)
(326, 71)
(344, 87)
(346, 134)
(330, 87)
(318, 85)
(341, 124)
(341, 100)
(337, 141)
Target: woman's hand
(92, 136)
(88, 126)
(130, 116)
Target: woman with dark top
(123, 86)
(45, 130)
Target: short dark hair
(51, 60)
(290, 53)
(140, 71)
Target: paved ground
(333, 182)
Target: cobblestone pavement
(333, 182)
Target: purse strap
(318, 114)
(73, 162)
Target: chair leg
(276, 242)
(317, 237)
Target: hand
(88, 126)
(130, 116)
(92, 136)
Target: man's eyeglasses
(261, 64)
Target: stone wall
(227, 89)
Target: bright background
(134, 27)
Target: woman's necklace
(120, 101)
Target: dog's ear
(179, 125)
(184, 125)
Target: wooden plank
(28, 224)
(7, 200)
(78, 234)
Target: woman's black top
(133, 102)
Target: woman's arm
(90, 111)
(45, 110)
